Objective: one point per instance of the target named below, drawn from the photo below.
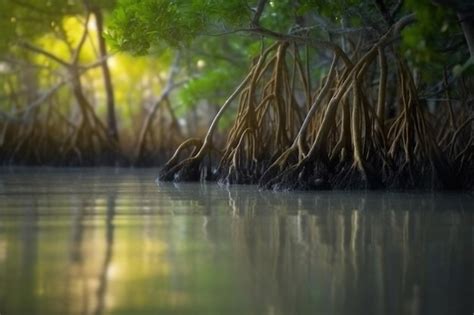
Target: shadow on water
(112, 242)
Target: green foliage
(215, 65)
(327, 8)
(426, 42)
(139, 26)
(212, 83)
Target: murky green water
(113, 242)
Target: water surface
(106, 241)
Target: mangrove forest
(236, 157)
(287, 94)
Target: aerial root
(345, 140)
(186, 169)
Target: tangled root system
(339, 134)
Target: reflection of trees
(101, 291)
(352, 253)
(201, 248)
(78, 253)
(29, 258)
(48, 272)
(339, 253)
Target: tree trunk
(467, 24)
(109, 89)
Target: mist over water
(108, 241)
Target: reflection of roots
(344, 140)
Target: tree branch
(44, 53)
(258, 13)
(169, 86)
(82, 41)
(292, 38)
(43, 97)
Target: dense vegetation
(314, 94)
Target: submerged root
(352, 176)
(306, 175)
(186, 169)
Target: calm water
(114, 242)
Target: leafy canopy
(140, 25)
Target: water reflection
(112, 242)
